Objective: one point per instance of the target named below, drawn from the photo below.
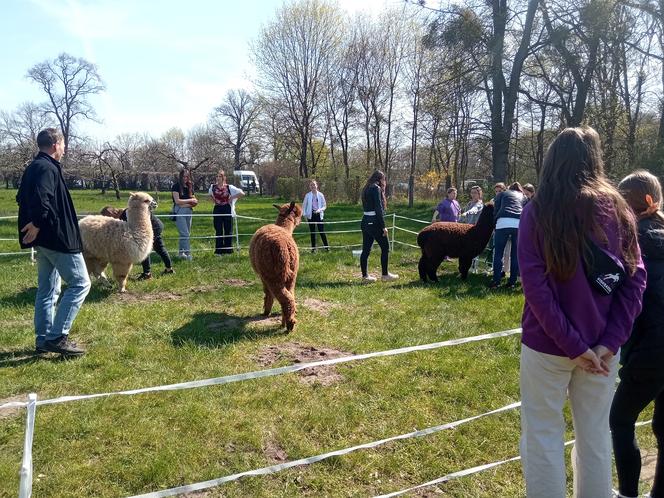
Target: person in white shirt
(224, 196)
(313, 209)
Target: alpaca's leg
(121, 272)
(287, 302)
(422, 268)
(434, 263)
(464, 265)
(268, 300)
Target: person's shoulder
(175, 187)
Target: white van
(246, 180)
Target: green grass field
(203, 322)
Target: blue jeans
(502, 235)
(53, 321)
(183, 223)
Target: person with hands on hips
(313, 208)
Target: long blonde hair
(573, 189)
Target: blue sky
(165, 63)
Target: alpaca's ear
(292, 204)
(277, 206)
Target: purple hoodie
(449, 210)
(567, 318)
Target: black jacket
(44, 200)
(645, 347)
(509, 204)
(372, 200)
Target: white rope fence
(32, 403)
(236, 235)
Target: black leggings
(315, 224)
(223, 228)
(158, 247)
(637, 388)
(370, 233)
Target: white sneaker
(389, 277)
(368, 279)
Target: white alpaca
(120, 243)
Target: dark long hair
(376, 178)
(573, 191)
(189, 185)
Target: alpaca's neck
(287, 224)
(138, 217)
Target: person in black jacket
(373, 226)
(47, 221)
(642, 372)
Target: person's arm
(378, 208)
(497, 204)
(435, 215)
(210, 192)
(40, 204)
(322, 205)
(236, 193)
(625, 307)
(305, 204)
(539, 295)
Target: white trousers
(546, 381)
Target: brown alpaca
(455, 240)
(275, 258)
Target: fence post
(394, 224)
(32, 255)
(237, 234)
(25, 489)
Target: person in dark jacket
(642, 372)
(373, 226)
(47, 221)
(507, 211)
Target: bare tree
(291, 55)
(235, 119)
(68, 83)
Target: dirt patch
(265, 322)
(236, 282)
(147, 297)
(228, 323)
(274, 452)
(294, 352)
(648, 464)
(17, 323)
(322, 307)
(11, 412)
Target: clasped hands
(595, 360)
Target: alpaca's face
(286, 211)
(141, 199)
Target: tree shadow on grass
(26, 297)
(213, 330)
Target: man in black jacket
(47, 221)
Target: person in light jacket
(313, 209)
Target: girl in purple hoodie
(572, 325)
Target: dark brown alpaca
(455, 240)
(275, 258)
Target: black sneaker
(40, 346)
(493, 285)
(145, 276)
(64, 346)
